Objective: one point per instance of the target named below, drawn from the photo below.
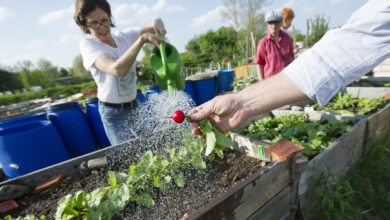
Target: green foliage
(78, 69)
(9, 81)
(346, 104)
(147, 71)
(314, 136)
(335, 197)
(50, 71)
(240, 83)
(362, 195)
(49, 92)
(319, 26)
(211, 46)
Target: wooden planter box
(368, 92)
(240, 202)
(342, 156)
(378, 126)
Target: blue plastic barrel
(31, 146)
(151, 90)
(225, 80)
(189, 89)
(140, 96)
(204, 89)
(95, 121)
(22, 120)
(73, 127)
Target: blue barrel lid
(91, 99)
(62, 105)
(151, 87)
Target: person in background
(110, 57)
(275, 50)
(338, 59)
(288, 16)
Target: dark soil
(202, 187)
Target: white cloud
(211, 17)
(58, 16)
(335, 2)
(141, 14)
(175, 8)
(131, 14)
(5, 13)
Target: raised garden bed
(236, 186)
(342, 155)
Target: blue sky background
(33, 29)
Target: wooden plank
(280, 206)
(378, 126)
(342, 156)
(367, 92)
(248, 196)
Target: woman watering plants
(110, 57)
(330, 65)
(275, 50)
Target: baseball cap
(274, 15)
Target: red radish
(178, 116)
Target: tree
(49, 69)
(146, 73)
(78, 69)
(35, 77)
(319, 26)
(9, 81)
(245, 17)
(211, 46)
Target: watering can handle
(163, 55)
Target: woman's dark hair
(84, 7)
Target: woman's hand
(158, 27)
(151, 38)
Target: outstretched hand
(225, 112)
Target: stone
(296, 108)
(8, 192)
(8, 206)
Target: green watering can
(166, 63)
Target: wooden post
(253, 46)
(247, 50)
(316, 30)
(307, 33)
(294, 36)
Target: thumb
(201, 112)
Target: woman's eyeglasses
(96, 24)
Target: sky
(34, 29)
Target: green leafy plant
(314, 136)
(348, 105)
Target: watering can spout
(166, 63)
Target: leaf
(63, 203)
(145, 199)
(180, 180)
(111, 178)
(96, 196)
(222, 140)
(79, 199)
(198, 163)
(211, 141)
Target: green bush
(49, 92)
